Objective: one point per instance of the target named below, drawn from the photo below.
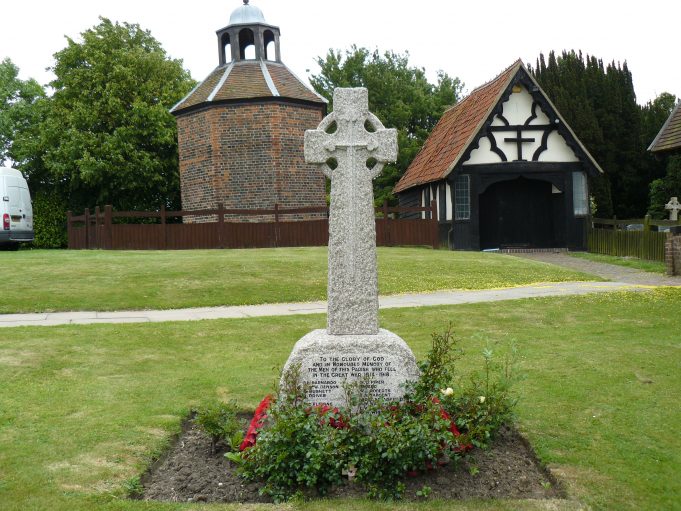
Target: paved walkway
(286, 309)
(611, 272)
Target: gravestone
(351, 146)
(674, 206)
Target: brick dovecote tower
(240, 131)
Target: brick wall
(672, 254)
(248, 156)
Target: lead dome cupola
(246, 14)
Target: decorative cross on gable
(351, 146)
(519, 142)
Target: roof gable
(669, 137)
(461, 127)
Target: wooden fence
(106, 229)
(611, 237)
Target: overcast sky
(472, 40)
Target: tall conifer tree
(599, 103)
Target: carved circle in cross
(337, 121)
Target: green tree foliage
(598, 101)
(399, 94)
(17, 105)
(661, 190)
(106, 136)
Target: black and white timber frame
(526, 177)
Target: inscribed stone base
(327, 361)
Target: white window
(462, 197)
(448, 195)
(580, 197)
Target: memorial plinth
(383, 361)
(351, 146)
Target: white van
(16, 211)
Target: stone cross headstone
(343, 138)
(351, 146)
(674, 206)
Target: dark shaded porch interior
(521, 213)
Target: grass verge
(83, 409)
(629, 262)
(62, 280)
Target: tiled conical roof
(247, 80)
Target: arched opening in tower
(270, 48)
(226, 48)
(246, 44)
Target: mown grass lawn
(629, 262)
(62, 280)
(83, 409)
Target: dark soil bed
(509, 469)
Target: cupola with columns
(247, 27)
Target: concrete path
(611, 272)
(286, 309)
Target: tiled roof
(669, 137)
(245, 80)
(251, 79)
(289, 85)
(201, 92)
(454, 132)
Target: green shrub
(485, 402)
(396, 439)
(296, 450)
(49, 220)
(219, 420)
(313, 448)
(438, 369)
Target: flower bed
(291, 447)
(507, 470)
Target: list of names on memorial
(327, 374)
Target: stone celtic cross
(351, 146)
(674, 206)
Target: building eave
(207, 105)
